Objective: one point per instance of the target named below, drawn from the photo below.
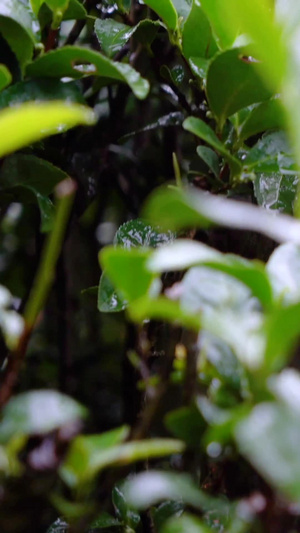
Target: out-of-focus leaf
(185, 523)
(283, 269)
(286, 388)
(17, 23)
(282, 330)
(210, 158)
(113, 35)
(264, 116)
(166, 11)
(161, 308)
(77, 62)
(38, 412)
(86, 458)
(174, 209)
(186, 424)
(269, 439)
(32, 122)
(40, 90)
(202, 130)
(11, 323)
(184, 253)
(241, 84)
(197, 38)
(150, 488)
(127, 271)
(5, 77)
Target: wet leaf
(283, 269)
(40, 90)
(77, 62)
(166, 11)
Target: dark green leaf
(197, 38)
(40, 90)
(38, 412)
(186, 424)
(137, 233)
(59, 526)
(202, 130)
(108, 299)
(166, 510)
(233, 83)
(276, 191)
(16, 26)
(210, 158)
(77, 62)
(105, 520)
(125, 514)
(113, 35)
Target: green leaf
(283, 269)
(186, 424)
(202, 130)
(183, 254)
(5, 77)
(77, 62)
(241, 84)
(104, 521)
(161, 308)
(270, 154)
(166, 510)
(183, 7)
(25, 414)
(174, 209)
(127, 270)
(16, 26)
(199, 66)
(166, 11)
(87, 457)
(197, 38)
(264, 116)
(108, 299)
(150, 488)
(125, 514)
(269, 439)
(282, 331)
(113, 35)
(137, 233)
(276, 191)
(225, 34)
(40, 90)
(210, 158)
(185, 523)
(32, 122)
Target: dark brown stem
(75, 32)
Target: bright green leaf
(162, 308)
(166, 11)
(185, 523)
(197, 38)
(5, 77)
(31, 122)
